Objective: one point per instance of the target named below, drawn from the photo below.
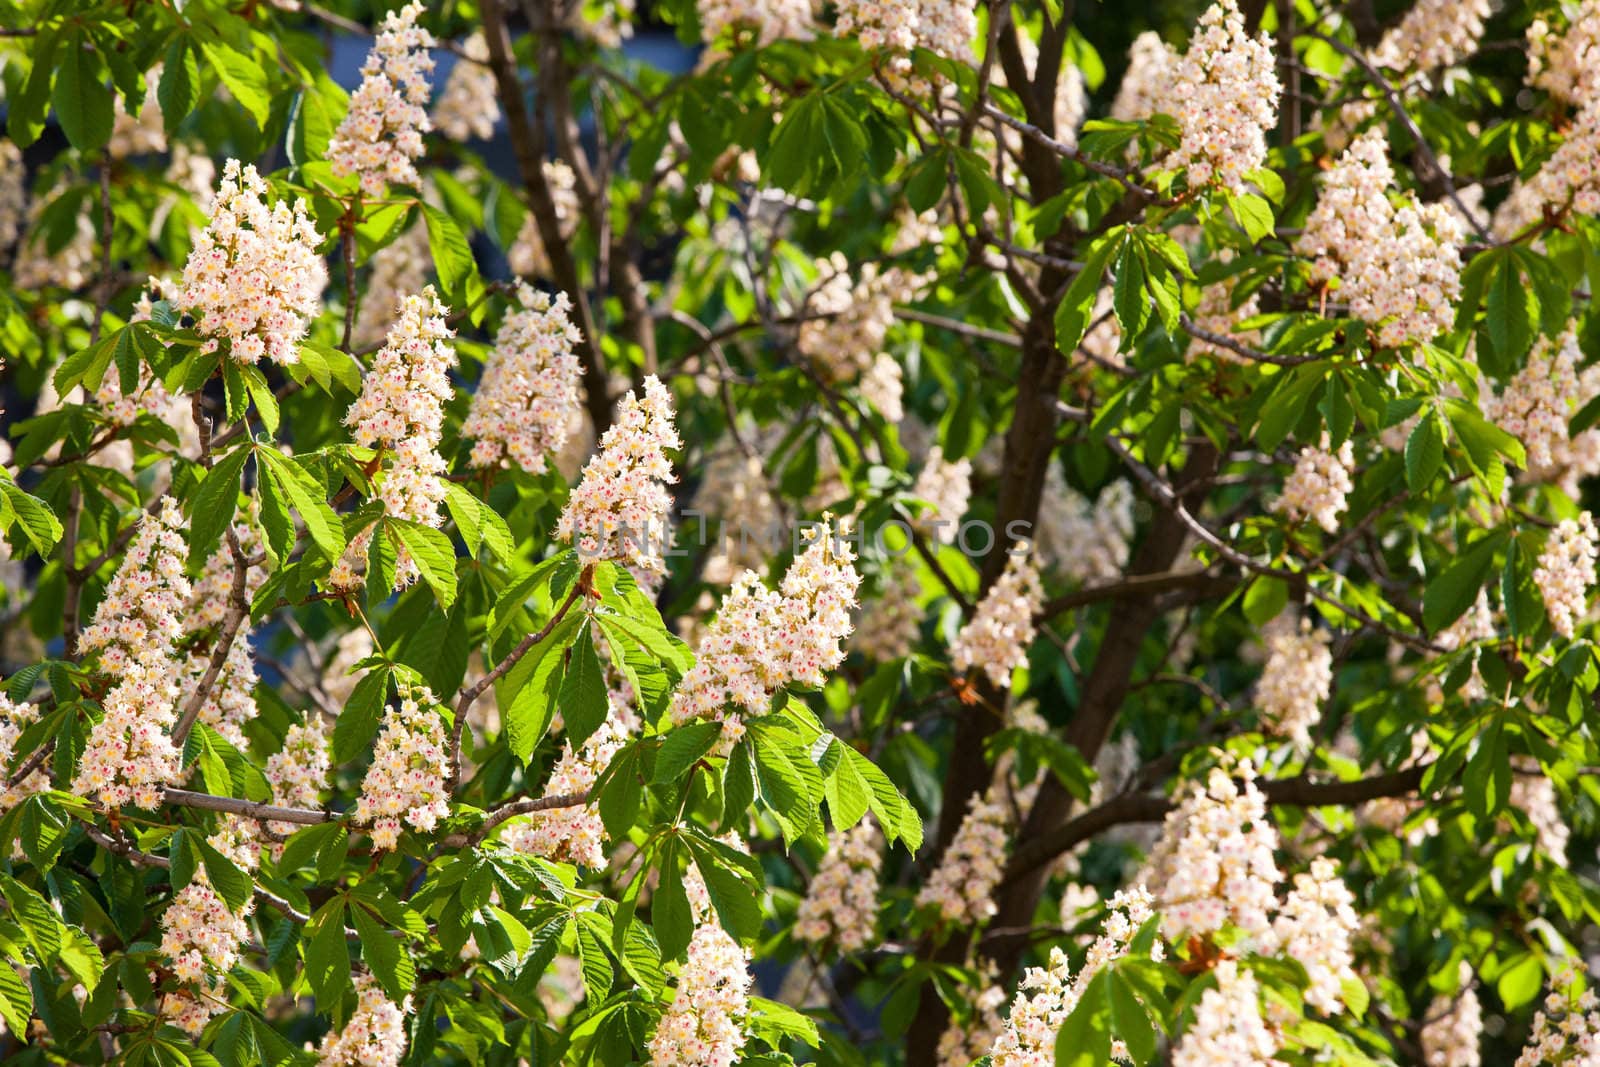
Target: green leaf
(669, 907)
(304, 846)
(794, 153)
(1254, 214)
(38, 522)
(777, 1021)
(433, 554)
(1510, 313)
(1265, 599)
(1129, 299)
(926, 181)
(1129, 1020)
(1424, 451)
(1484, 440)
(1520, 982)
(452, 256)
(533, 707)
(738, 784)
(16, 1000)
(87, 367)
(895, 813)
(183, 857)
(357, 723)
(213, 505)
(26, 119)
(232, 884)
(309, 499)
(732, 896)
(179, 89)
(682, 748)
(385, 956)
(1085, 1037)
(583, 701)
(784, 775)
(846, 790)
(327, 955)
(1452, 591)
(81, 99)
(246, 79)
(620, 793)
(327, 365)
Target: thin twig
(472, 692)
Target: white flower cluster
(1085, 541)
(1228, 1028)
(13, 193)
(1048, 994)
(200, 934)
(1298, 677)
(374, 1036)
(398, 269)
(962, 886)
(1567, 65)
(763, 639)
(1213, 864)
(15, 718)
(1224, 95)
(883, 388)
(998, 635)
(1570, 180)
(528, 256)
(850, 321)
(574, 834)
(400, 412)
(469, 106)
(1537, 404)
(521, 412)
(891, 620)
(841, 903)
(298, 772)
(1144, 87)
(1453, 1028)
(947, 487)
(381, 135)
(254, 277)
(947, 27)
(1433, 34)
(409, 776)
(1314, 927)
(1566, 571)
(129, 756)
(619, 509)
(1534, 795)
(761, 21)
(704, 1026)
(1399, 267)
(1565, 1031)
